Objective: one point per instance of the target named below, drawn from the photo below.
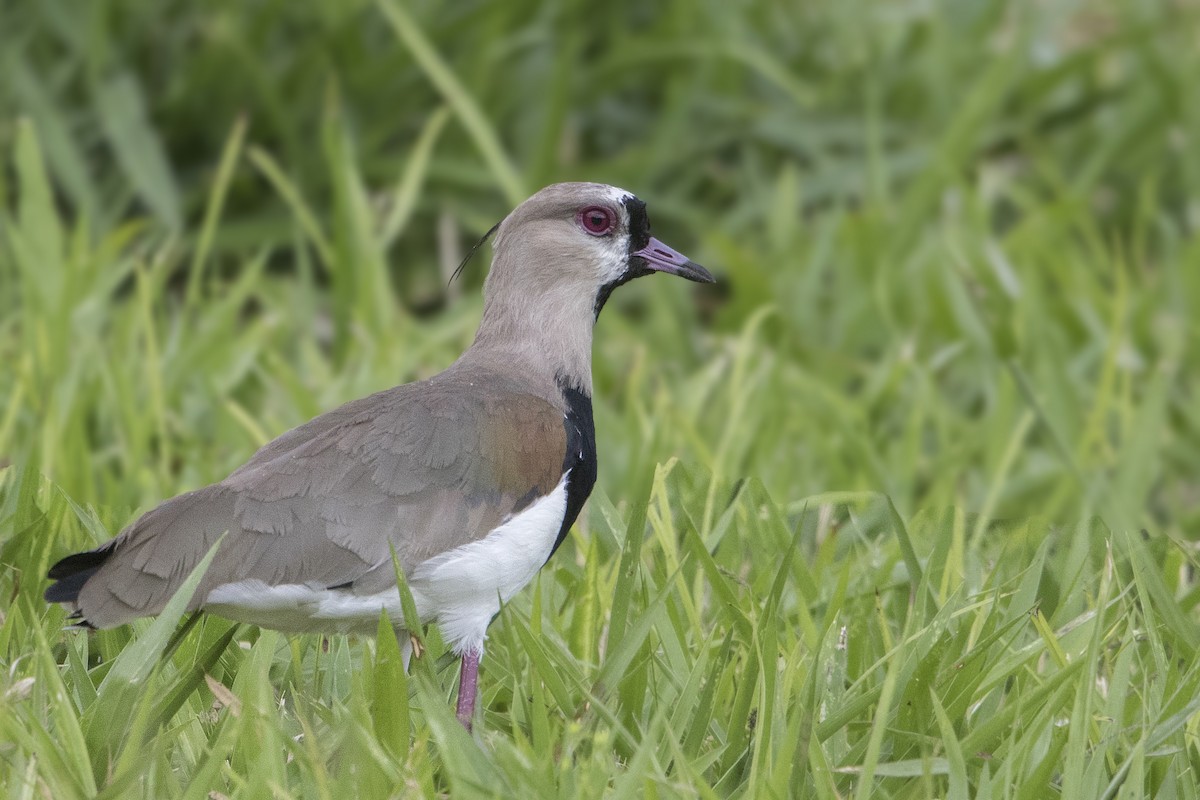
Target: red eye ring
(596, 220)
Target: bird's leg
(467, 686)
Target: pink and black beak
(658, 257)
(648, 255)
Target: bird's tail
(72, 572)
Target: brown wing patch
(523, 447)
(421, 469)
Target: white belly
(461, 589)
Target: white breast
(461, 589)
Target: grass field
(907, 506)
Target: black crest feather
(462, 265)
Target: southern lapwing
(472, 478)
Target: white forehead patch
(618, 195)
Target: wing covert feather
(422, 468)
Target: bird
(469, 480)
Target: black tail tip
(67, 589)
(72, 572)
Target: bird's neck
(547, 337)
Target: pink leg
(468, 686)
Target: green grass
(906, 507)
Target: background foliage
(906, 506)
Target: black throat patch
(639, 237)
(580, 460)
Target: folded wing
(420, 469)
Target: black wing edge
(72, 572)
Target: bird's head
(581, 240)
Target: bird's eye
(597, 220)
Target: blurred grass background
(906, 506)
